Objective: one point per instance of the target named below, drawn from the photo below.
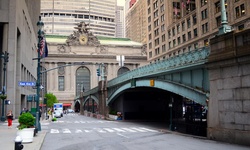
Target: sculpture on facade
(82, 36)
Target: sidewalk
(7, 137)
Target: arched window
(122, 70)
(82, 80)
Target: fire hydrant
(18, 143)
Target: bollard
(18, 143)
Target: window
(194, 20)
(162, 18)
(149, 2)
(174, 43)
(205, 28)
(217, 7)
(189, 35)
(150, 55)
(218, 21)
(149, 28)
(204, 14)
(156, 14)
(82, 79)
(179, 40)
(241, 27)
(188, 23)
(157, 42)
(206, 43)
(150, 45)
(162, 27)
(173, 31)
(183, 26)
(156, 32)
(178, 28)
(162, 8)
(196, 46)
(149, 19)
(122, 70)
(169, 45)
(195, 32)
(169, 34)
(60, 83)
(189, 48)
(203, 2)
(163, 47)
(184, 37)
(149, 36)
(155, 4)
(163, 39)
(242, 8)
(156, 23)
(149, 10)
(157, 51)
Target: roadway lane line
(122, 135)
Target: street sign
(23, 83)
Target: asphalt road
(77, 132)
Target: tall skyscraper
(60, 16)
(120, 22)
(136, 22)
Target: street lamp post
(40, 38)
(5, 56)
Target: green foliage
(26, 120)
(3, 97)
(51, 99)
(112, 112)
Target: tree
(51, 99)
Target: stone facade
(18, 36)
(229, 73)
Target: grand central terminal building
(78, 62)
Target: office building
(18, 38)
(178, 26)
(60, 16)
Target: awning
(66, 104)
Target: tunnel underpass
(147, 104)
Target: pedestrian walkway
(104, 130)
(8, 136)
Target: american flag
(43, 48)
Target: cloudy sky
(120, 2)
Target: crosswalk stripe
(109, 130)
(148, 129)
(54, 131)
(140, 130)
(129, 130)
(66, 131)
(119, 130)
(78, 131)
(105, 130)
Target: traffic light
(98, 72)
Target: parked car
(70, 111)
(57, 114)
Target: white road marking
(122, 135)
(108, 129)
(54, 131)
(87, 131)
(119, 130)
(151, 130)
(129, 130)
(66, 131)
(140, 130)
(100, 130)
(78, 131)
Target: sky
(120, 2)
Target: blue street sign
(23, 83)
